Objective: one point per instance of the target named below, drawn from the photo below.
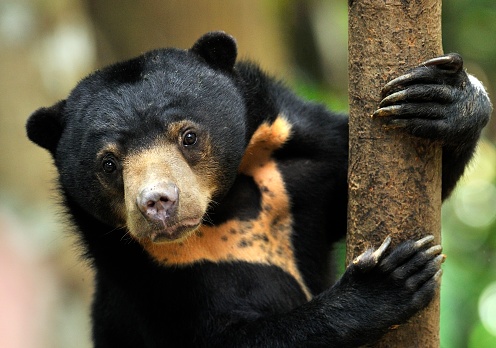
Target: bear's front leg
(377, 291)
(438, 100)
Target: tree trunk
(394, 179)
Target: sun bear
(208, 197)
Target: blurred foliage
(468, 305)
(469, 26)
(46, 46)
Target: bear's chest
(263, 238)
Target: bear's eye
(189, 138)
(109, 165)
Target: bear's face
(149, 143)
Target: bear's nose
(158, 202)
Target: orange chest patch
(265, 239)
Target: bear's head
(148, 144)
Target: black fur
(141, 303)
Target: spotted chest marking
(265, 239)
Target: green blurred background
(46, 46)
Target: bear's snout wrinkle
(158, 202)
(165, 197)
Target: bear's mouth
(174, 232)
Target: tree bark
(394, 179)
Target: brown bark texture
(394, 179)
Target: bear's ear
(218, 49)
(45, 126)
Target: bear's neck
(258, 91)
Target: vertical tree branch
(394, 179)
